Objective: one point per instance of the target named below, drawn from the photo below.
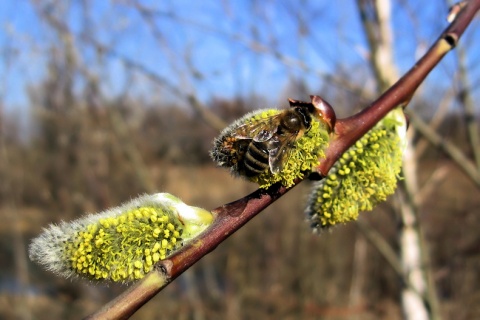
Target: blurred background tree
(102, 101)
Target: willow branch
(351, 129)
(232, 216)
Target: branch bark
(230, 217)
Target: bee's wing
(279, 152)
(264, 135)
(260, 131)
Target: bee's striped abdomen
(256, 159)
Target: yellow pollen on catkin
(304, 157)
(124, 247)
(303, 153)
(364, 176)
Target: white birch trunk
(410, 247)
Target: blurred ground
(274, 267)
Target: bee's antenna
(298, 103)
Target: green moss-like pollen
(124, 247)
(122, 243)
(363, 177)
(304, 156)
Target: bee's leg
(315, 176)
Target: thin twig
(466, 100)
(448, 147)
(230, 217)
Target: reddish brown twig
(232, 216)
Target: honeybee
(251, 146)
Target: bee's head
(319, 108)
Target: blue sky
(206, 48)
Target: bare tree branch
(230, 217)
(468, 106)
(449, 148)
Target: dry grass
(273, 267)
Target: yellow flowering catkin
(303, 155)
(121, 244)
(363, 177)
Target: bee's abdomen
(256, 159)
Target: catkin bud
(121, 244)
